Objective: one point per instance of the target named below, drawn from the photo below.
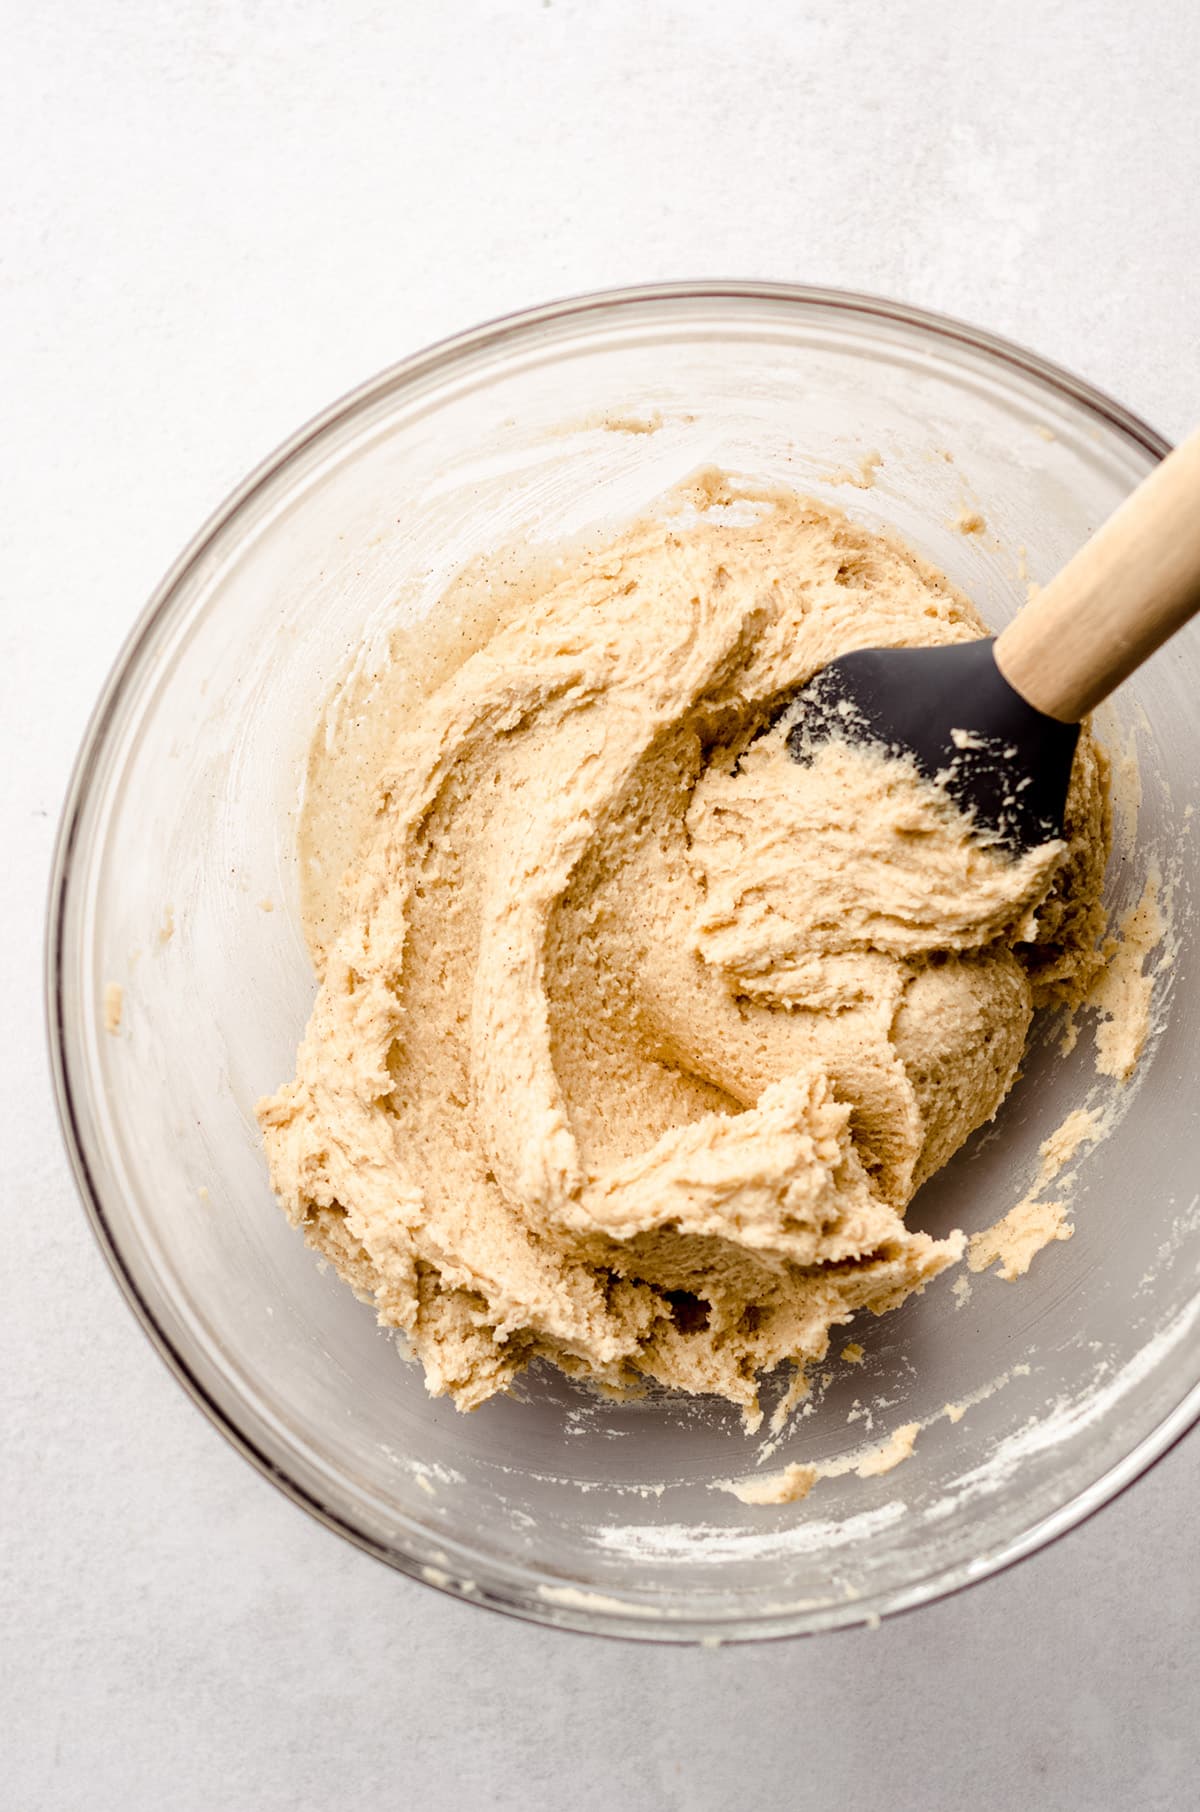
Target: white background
(217, 217)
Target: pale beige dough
(634, 1038)
(1032, 1224)
(1122, 994)
(793, 1483)
(114, 1006)
(1015, 1241)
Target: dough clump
(634, 1037)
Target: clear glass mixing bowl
(178, 836)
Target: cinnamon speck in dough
(114, 1006)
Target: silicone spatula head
(1004, 763)
(997, 721)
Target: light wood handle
(1127, 589)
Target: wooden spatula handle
(1127, 589)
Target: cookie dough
(634, 1038)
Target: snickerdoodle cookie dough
(634, 1038)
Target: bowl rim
(593, 1613)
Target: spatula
(997, 720)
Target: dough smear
(634, 1038)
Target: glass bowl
(176, 882)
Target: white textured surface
(218, 216)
